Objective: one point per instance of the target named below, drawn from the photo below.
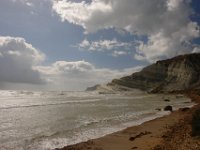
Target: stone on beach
(168, 108)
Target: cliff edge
(176, 74)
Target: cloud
(119, 53)
(196, 50)
(159, 45)
(104, 45)
(140, 16)
(165, 23)
(79, 74)
(80, 13)
(17, 61)
(21, 68)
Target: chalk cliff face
(178, 73)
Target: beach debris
(184, 109)
(139, 135)
(134, 147)
(168, 108)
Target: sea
(38, 120)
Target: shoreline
(142, 137)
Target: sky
(73, 44)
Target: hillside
(175, 74)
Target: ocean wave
(49, 104)
(58, 140)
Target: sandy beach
(170, 132)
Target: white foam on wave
(47, 104)
(82, 136)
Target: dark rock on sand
(139, 135)
(167, 100)
(184, 109)
(168, 108)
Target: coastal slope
(175, 74)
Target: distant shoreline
(146, 136)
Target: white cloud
(79, 13)
(103, 45)
(79, 74)
(196, 50)
(29, 4)
(17, 59)
(166, 23)
(159, 45)
(84, 44)
(119, 53)
(62, 68)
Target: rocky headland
(176, 74)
